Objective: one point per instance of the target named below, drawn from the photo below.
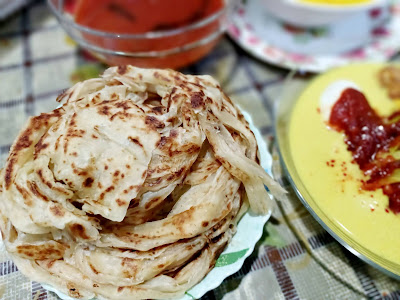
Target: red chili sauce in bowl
(142, 28)
(371, 139)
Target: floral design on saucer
(290, 47)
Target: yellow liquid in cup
(336, 2)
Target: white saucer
(365, 36)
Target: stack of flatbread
(132, 188)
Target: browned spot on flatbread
(88, 182)
(114, 96)
(79, 231)
(42, 120)
(121, 115)
(123, 104)
(40, 146)
(93, 269)
(176, 174)
(75, 133)
(25, 194)
(56, 210)
(162, 142)
(131, 267)
(204, 224)
(121, 70)
(49, 184)
(35, 190)
(170, 146)
(177, 78)
(120, 202)
(160, 76)
(73, 291)
(77, 171)
(173, 133)
(72, 123)
(104, 110)
(136, 141)
(170, 98)
(8, 172)
(151, 202)
(61, 95)
(23, 142)
(181, 219)
(176, 97)
(185, 86)
(158, 110)
(47, 251)
(109, 189)
(50, 264)
(154, 123)
(191, 149)
(57, 143)
(196, 100)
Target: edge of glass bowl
(145, 54)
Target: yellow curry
(324, 165)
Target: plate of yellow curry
(339, 139)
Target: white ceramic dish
(311, 14)
(366, 36)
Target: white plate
(365, 36)
(249, 231)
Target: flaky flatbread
(132, 188)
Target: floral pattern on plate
(374, 36)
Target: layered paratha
(133, 187)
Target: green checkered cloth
(295, 259)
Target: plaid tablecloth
(295, 259)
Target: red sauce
(369, 137)
(141, 16)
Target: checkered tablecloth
(295, 259)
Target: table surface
(295, 259)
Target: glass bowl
(173, 48)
